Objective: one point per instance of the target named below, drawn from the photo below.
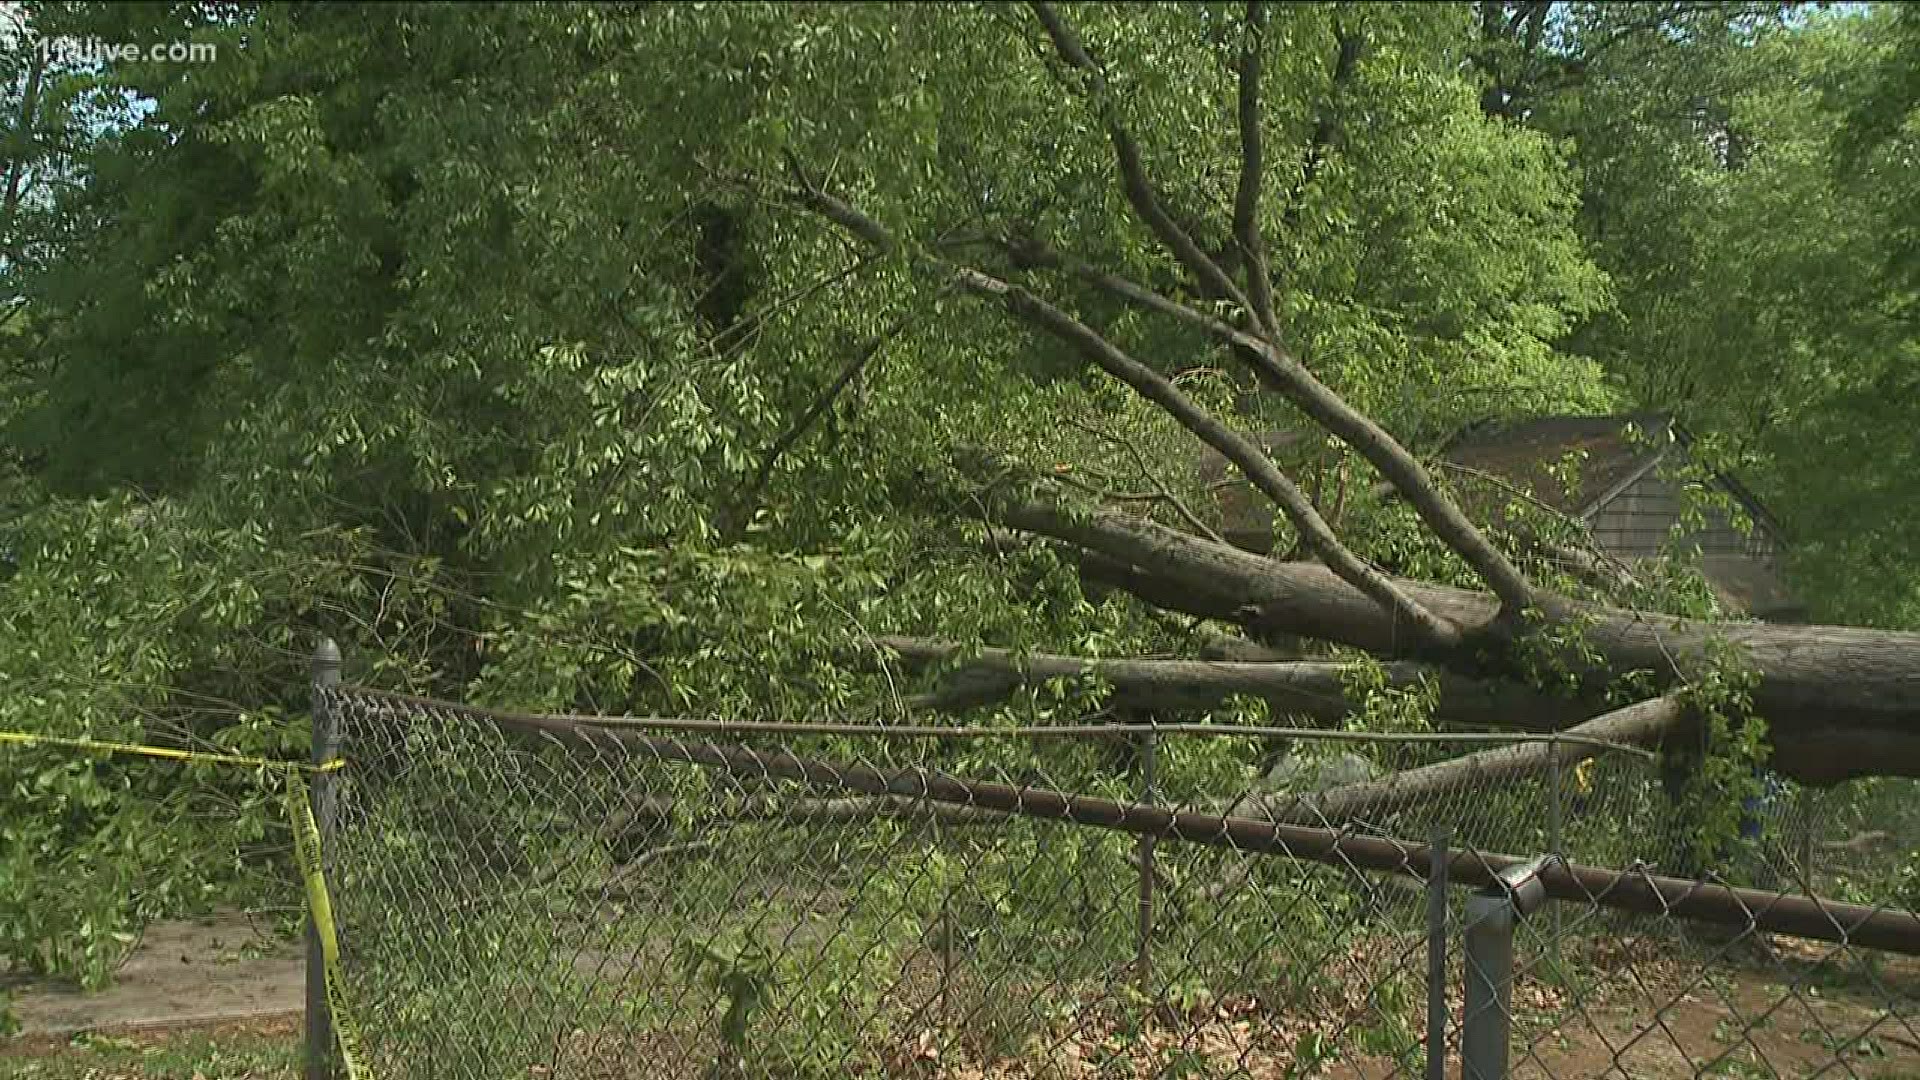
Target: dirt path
(181, 973)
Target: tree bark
(1235, 447)
(1246, 200)
(1302, 688)
(1842, 702)
(1642, 724)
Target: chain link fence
(590, 897)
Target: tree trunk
(1842, 702)
(1302, 688)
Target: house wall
(1637, 522)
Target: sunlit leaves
(402, 312)
(1759, 297)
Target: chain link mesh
(542, 897)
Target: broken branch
(1231, 444)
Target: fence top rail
(981, 731)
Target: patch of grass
(1743, 1066)
(200, 1055)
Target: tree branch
(1276, 367)
(1591, 565)
(1317, 689)
(1641, 724)
(1161, 492)
(1840, 702)
(1133, 174)
(840, 212)
(1326, 126)
(821, 404)
(1160, 496)
(1246, 202)
(1280, 370)
(1235, 447)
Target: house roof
(1613, 451)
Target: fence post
(1489, 964)
(1492, 915)
(946, 959)
(1143, 962)
(326, 746)
(1437, 860)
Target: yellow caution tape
(306, 843)
(21, 738)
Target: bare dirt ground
(247, 1050)
(179, 974)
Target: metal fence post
(1437, 860)
(1492, 915)
(1489, 991)
(1556, 840)
(326, 746)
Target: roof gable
(1612, 452)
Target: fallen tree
(1823, 920)
(1840, 702)
(1317, 689)
(1320, 690)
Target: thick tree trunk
(1842, 702)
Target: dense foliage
(467, 335)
